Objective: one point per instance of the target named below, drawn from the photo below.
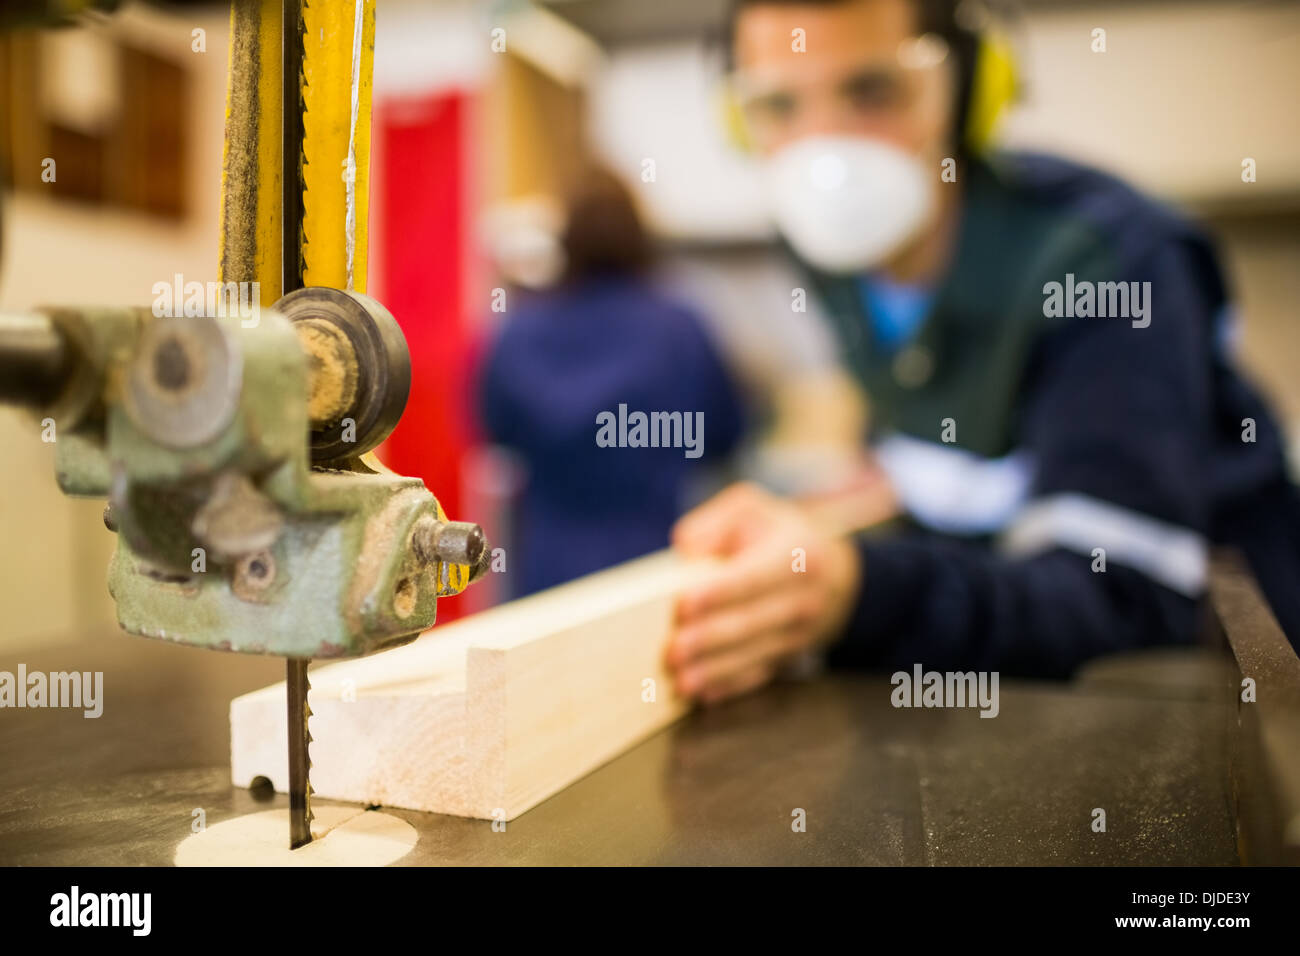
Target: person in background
(562, 385)
(1063, 470)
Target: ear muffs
(995, 84)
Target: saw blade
(297, 686)
(328, 65)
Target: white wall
(1182, 94)
(662, 103)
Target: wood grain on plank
(490, 715)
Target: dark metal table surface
(1144, 739)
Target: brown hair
(603, 234)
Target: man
(1042, 351)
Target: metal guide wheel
(359, 369)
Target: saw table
(1145, 738)
(1186, 772)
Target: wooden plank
(490, 715)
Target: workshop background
(472, 148)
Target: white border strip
(1175, 557)
(954, 491)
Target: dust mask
(847, 203)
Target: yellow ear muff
(994, 87)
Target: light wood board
(490, 715)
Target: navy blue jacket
(561, 360)
(1132, 440)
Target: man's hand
(786, 585)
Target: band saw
(235, 446)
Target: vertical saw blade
(296, 688)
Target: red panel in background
(422, 193)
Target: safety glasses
(870, 96)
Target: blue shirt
(896, 309)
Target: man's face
(856, 69)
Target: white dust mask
(846, 203)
